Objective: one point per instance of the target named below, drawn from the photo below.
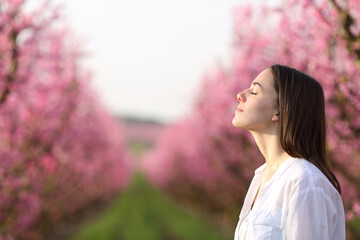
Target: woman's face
(256, 110)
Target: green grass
(138, 148)
(141, 212)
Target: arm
(311, 216)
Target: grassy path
(142, 212)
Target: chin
(235, 123)
(238, 124)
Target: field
(142, 212)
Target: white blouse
(298, 202)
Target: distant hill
(141, 134)
(129, 120)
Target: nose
(241, 97)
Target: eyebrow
(256, 83)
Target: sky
(148, 57)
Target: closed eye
(253, 93)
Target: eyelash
(253, 93)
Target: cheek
(268, 107)
(265, 109)
(260, 104)
(268, 102)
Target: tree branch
(346, 21)
(10, 78)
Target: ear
(275, 117)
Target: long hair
(302, 117)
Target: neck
(270, 147)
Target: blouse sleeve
(311, 215)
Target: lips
(238, 110)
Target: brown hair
(302, 117)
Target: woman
(294, 195)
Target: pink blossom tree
(206, 161)
(61, 152)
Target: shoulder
(303, 176)
(305, 173)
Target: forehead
(265, 78)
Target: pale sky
(148, 57)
